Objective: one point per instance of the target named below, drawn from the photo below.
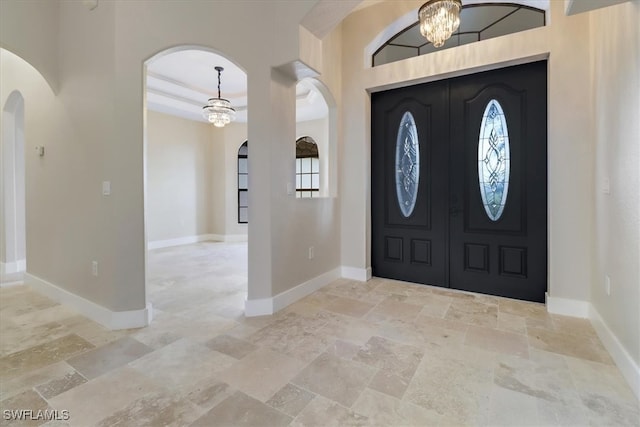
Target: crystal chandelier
(218, 110)
(439, 19)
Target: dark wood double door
(459, 182)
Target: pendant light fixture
(218, 110)
(439, 19)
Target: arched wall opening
(190, 181)
(316, 116)
(13, 188)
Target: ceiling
(180, 83)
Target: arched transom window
(477, 22)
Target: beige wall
(37, 43)
(192, 178)
(615, 68)
(180, 182)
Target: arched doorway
(196, 249)
(13, 189)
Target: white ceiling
(180, 83)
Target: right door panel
(498, 175)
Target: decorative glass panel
(407, 164)
(493, 160)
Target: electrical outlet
(311, 254)
(607, 285)
(94, 268)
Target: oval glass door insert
(407, 164)
(493, 160)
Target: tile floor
(381, 353)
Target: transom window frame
(455, 39)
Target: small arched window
(243, 184)
(307, 168)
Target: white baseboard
(13, 267)
(353, 273)
(7, 284)
(234, 238)
(266, 306)
(627, 365)
(187, 240)
(109, 319)
(567, 307)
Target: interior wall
(615, 75)
(302, 223)
(100, 56)
(219, 181)
(180, 193)
(30, 29)
(565, 42)
(59, 188)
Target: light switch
(106, 188)
(606, 186)
(289, 189)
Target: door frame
(447, 76)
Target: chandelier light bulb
(439, 19)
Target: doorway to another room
(13, 211)
(196, 266)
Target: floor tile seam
(315, 395)
(383, 370)
(396, 342)
(278, 410)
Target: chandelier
(439, 19)
(218, 110)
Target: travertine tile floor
(378, 353)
